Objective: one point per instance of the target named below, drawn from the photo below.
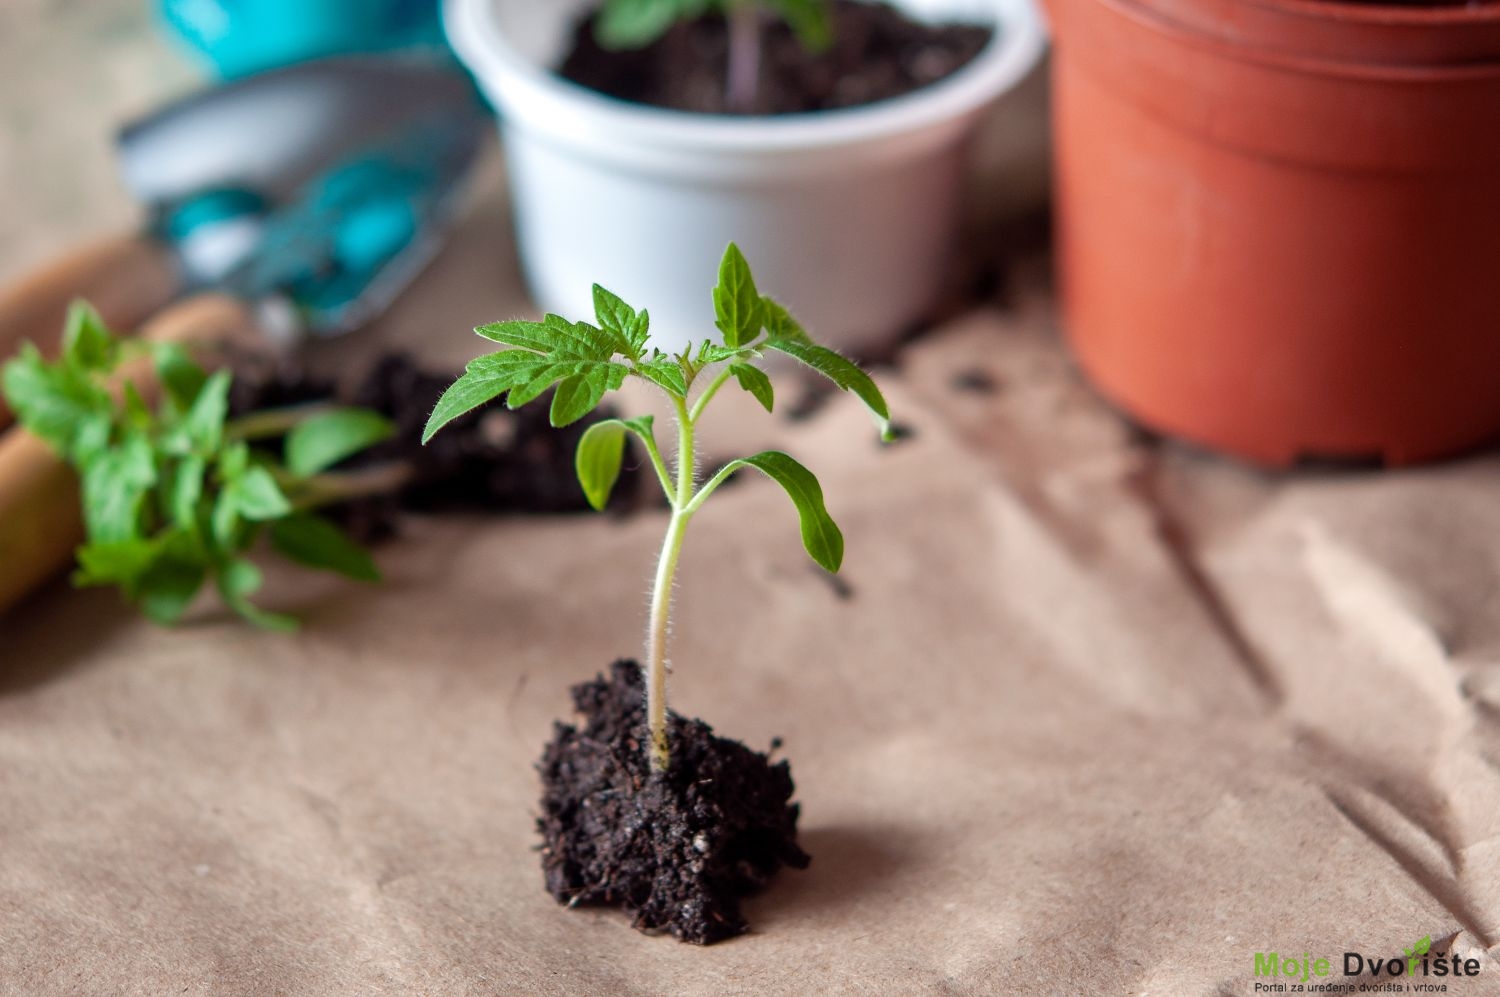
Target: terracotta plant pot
(1274, 253)
(1383, 33)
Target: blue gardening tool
(324, 185)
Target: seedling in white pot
(845, 183)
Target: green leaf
(180, 376)
(58, 403)
(577, 396)
(810, 20)
(842, 372)
(617, 317)
(526, 335)
(711, 352)
(624, 24)
(87, 344)
(114, 562)
(754, 380)
(736, 301)
(186, 491)
(581, 341)
(469, 392)
(601, 449)
(201, 429)
(237, 581)
(820, 534)
(666, 373)
(257, 497)
(115, 485)
(167, 588)
(317, 543)
(779, 322)
(323, 440)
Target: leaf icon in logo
(1415, 953)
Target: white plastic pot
(848, 217)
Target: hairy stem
(661, 593)
(742, 79)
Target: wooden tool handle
(127, 278)
(41, 522)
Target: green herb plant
(177, 496)
(625, 24)
(586, 361)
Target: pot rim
(1308, 65)
(527, 92)
(1366, 12)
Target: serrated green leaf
(317, 543)
(257, 497)
(820, 534)
(526, 335)
(237, 581)
(666, 373)
(57, 403)
(639, 332)
(323, 440)
(601, 449)
(620, 319)
(180, 376)
(842, 372)
(737, 308)
(464, 395)
(779, 322)
(580, 340)
(754, 380)
(115, 486)
(87, 344)
(711, 352)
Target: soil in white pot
(877, 53)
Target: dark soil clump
(490, 460)
(877, 53)
(676, 851)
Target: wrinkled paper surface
(1095, 714)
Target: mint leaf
(820, 534)
(181, 378)
(737, 306)
(57, 403)
(323, 440)
(167, 588)
(237, 581)
(115, 485)
(201, 428)
(114, 562)
(257, 497)
(754, 380)
(317, 543)
(842, 372)
(86, 343)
